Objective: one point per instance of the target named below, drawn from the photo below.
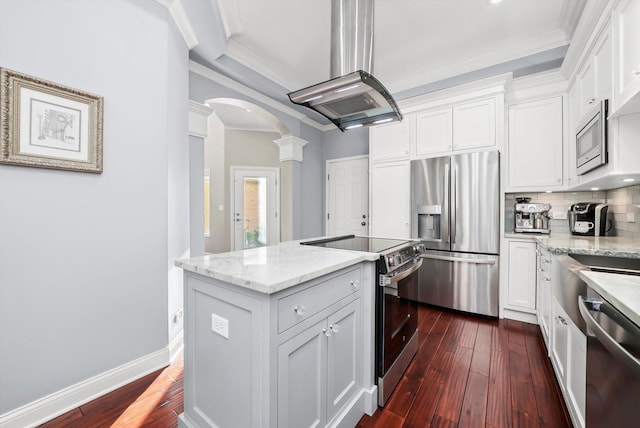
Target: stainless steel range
(396, 315)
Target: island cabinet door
(302, 371)
(344, 352)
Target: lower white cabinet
(544, 293)
(301, 357)
(521, 291)
(568, 357)
(317, 369)
(390, 214)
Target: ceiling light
(495, 1)
(595, 188)
(548, 191)
(628, 180)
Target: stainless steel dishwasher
(613, 350)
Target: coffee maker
(588, 219)
(531, 217)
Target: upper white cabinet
(434, 131)
(594, 77)
(462, 126)
(626, 32)
(390, 199)
(535, 145)
(392, 141)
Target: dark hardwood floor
(469, 372)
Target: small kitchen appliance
(396, 315)
(588, 219)
(532, 217)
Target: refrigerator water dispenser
(429, 222)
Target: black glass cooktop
(357, 243)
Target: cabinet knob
(300, 310)
(355, 283)
(326, 332)
(635, 73)
(590, 100)
(334, 328)
(363, 224)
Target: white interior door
(255, 204)
(348, 196)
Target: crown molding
(230, 15)
(540, 43)
(181, 20)
(592, 21)
(207, 73)
(198, 115)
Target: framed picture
(47, 125)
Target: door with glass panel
(255, 194)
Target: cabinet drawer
(299, 306)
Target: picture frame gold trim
(47, 125)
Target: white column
(290, 154)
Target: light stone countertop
(274, 268)
(599, 246)
(622, 291)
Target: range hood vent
(353, 97)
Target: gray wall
(84, 258)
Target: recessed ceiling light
(494, 1)
(595, 188)
(628, 180)
(548, 191)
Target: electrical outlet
(631, 218)
(560, 215)
(220, 325)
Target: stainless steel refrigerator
(456, 214)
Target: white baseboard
(53, 405)
(176, 346)
(520, 316)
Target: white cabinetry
(626, 32)
(535, 145)
(461, 127)
(392, 141)
(568, 357)
(317, 369)
(301, 357)
(594, 78)
(544, 293)
(390, 199)
(521, 292)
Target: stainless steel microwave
(591, 140)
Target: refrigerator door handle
(454, 194)
(477, 261)
(447, 196)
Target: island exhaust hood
(352, 97)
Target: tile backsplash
(624, 208)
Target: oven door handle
(390, 279)
(607, 341)
(478, 261)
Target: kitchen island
(279, 336)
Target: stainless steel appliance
(456, 215)
(588, 219)
(591, 139)
(532, 217)
(396, 315)
(613, 364)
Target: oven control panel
(395, 260)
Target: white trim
(198, 117)
(176, 346)
(230, 16)
(181, 20)
(290, 148)
(53, 405)
(207, 73)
